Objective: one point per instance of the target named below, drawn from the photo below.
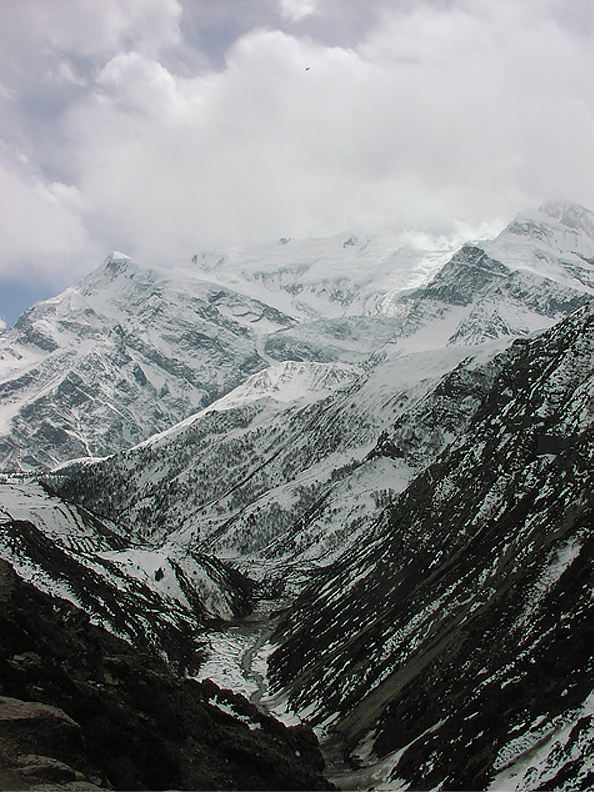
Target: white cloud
(42, 226)
(445, 114)
(425, 122)
(5, 93)
(297, 9)
(86, 28)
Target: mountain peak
(117, 263)
(571, 215)
(563, 227)
(117, 255)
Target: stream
(237, 661)
(247, 666)
(237, 653)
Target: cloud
(297, 9)
(42, 225)
(77, 27)
(5, 93)
(426, 121)
(439, 114)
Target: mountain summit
(129, 352)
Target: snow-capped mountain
(130, 352)
(344, 291)
(391, 650)
(292, 466)
(384, 420)
(451, 646)
(331, 278)
(124, 354)
(554, 241)
(355, 276)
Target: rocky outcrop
(28, 727)
(80, 708)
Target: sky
(162, 128)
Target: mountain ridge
(311, 477)
(129, 352)
(486, 546)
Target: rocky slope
(451, 648)
(156, 597)
(82, 709)
(126, 353)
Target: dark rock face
(422, 432)
(28, 727)
(79, 705)
(470, 271)
(460, 635)
(128, 607)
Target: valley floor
(236, 660)
(236, 652)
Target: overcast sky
(166, 127)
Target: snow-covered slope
(278, 485)
(452, 647)
(348, 292)
(129, 352)
(290, 468)
(151, 595)
(334, 277)
(556, 241)
(124, 354)
(348, 275)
